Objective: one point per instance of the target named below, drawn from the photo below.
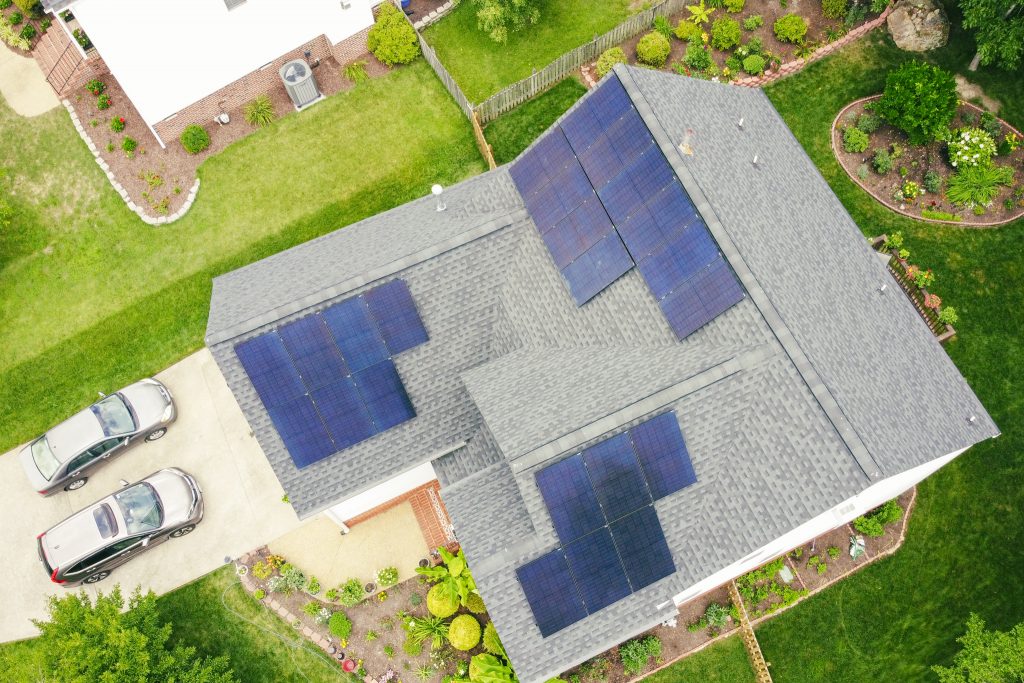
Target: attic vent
(232, 4)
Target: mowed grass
(723, 662)
(92, 298)
(513, 131)
(482, 67)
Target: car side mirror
(123, 482)
(145, 542)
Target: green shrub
(129, 145)
(754, 65)
(653, 49)
(939, 215)
(608, 59)
(352, 593)
(15, 18)
(434, 628)
(725, 33)
(412, 647)
(834, 9)
(635, 654)
(340, 625)
(854, 140)
(834, 551)
(195, 139)
(882, 161)
(687, 31)
(735, 6)
(754, 46)
(862, 171)
(259, 111)
(29, 6)
(878, 6)
(991, 125)
(971, 147)
(919, 99)
(311, 608)
(948, 316)
(313, 586)
(662, 26)
(753, 22)
(873, 524)
(977, 185)
(28, 32)
(262, 571)
(117, 124)
(259, 594)
(4, 4)
(392, 39)
(491, 641)
(387, 577)
(697, 57)
(932, 182)
(440, 602)
(868, 122)
(103, 102)
(733, 63)
(81, 38)
(475, 603)
(790, 28)
(464, 632)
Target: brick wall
(423, 506)
(351, 47)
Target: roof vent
(685, 146)
(755, 160)
(972, 419)
(881, 290)
(299, 82)
(436, 190)
(740, 123)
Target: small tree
(653, 49)
(919, 99)
(992, 656)
(392, 39)
(499, 18)
(608, 59)
(998, 27)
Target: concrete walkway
(210, 440)
(23, 84)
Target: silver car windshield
(46, 462)
(114, 416)
(140, 507)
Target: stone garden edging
(885, 203)
(435, 16)
(118, 187)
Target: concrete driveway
(210, 440)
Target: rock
(918, 25)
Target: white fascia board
(382, 493)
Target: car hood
(148, 400)
(175, 491)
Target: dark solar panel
(270, 370)
(581, 128)
(662, 453)
(672, 209)
(355, 333)
(610, 102)
(344, 413)
(384, 395)
(570, 498)
(313, 351)
(683, 311)
(554, 153)
(528, 173)
(597, 569)
(398, 320)
(597, 268)
(600, 162)
(545, 207)
(573, 186)
(590, 222)
(651, 173)
(616, 476)
(630, 138)
(719, 289)
(302, 431)
(642, 547)
(641, 234)
(553, 596)
(678, 261)
(620, 198)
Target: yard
(482, 67)
(91, 298)
(513, 132)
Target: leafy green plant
(971, 147)
(11, 37)
(635, 654)
(653, 49)
(259, 111)
(910, 190)
(991, 125)
(4, 4)
(948, 316)
(855, 140)
(725, 33)
(822, 568)
(453, 577)
(392, 39)
(700, 14)
(735, 6)
(486, 668)
(117, 124)
(339, 625)
(28, 32)
(491, 641)
(311, 608)
(932, 182)
(754, 65)
(919, 99)
(873, 524)
(313, 586)
(833, 552)
(878, 6)
(387, 577)
(608, 59)
(753, 22)
(687, 30)
(434, 628)
(194, 139)
(697, 57)
(352, 593)
(103, 101)
(356, 72)
(440, 602)
(881, 161)
(389, 651)
(259, 594)
(464, 632)
(834, 9)
(15, 18)
(662, 26)
(81, 38)
(977, 185)
(412, 647)
(475, 603)
(371, 636)
(790, 28)
(332, 594)
(939, 215)
(868, 122)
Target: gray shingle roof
(788, 401)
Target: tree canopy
(998, 27)
(499, 18)
(919, 99)
(987, 656)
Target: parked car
(63, 457)
(89, 544)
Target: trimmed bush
(4, 4)
(754, 65)
(882, 161)
(608, 59)
(440, 603)
(855, 140)
(464, 632)
(725, 33)
(492, 643)
(791, 28)
(834, 9)
(653, 49)
(687, 31)
(392, 39)
(697, 58)
(195, 139)
(340, 625)
(129, 145)
(753, 22)
(15, 18)
(873, 524)
(734, 6)
(259, 111)
(919, 99)
(475, 603)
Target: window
(105, 522)
(140, 508)
(104, 554)
(232, 4)
(114, 416)
(103, 446)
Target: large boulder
(918, 25)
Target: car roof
(74, 434)
(78, 535)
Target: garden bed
(30, 27)
(914, 281)
(910, 163)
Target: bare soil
(915, 161)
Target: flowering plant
(117, 124)
(932, 301)
(971, 147)
(103, 101)
(911, 190)
(96, 87)
(924, 278)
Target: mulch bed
(915, 161)
(27, 19)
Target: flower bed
(21, 30)
(914, 280)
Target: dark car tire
(183, 531)
(156, 434)
(76, 484)
(97, 577)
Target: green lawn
(91, 297)
(513, 131)
(723, 662)
(482, 67)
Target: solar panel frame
(616, 476)
(313, 352)
(344, 413)
(598, 572)
(661, 451)
(642, 548)
(551, 591)
(356, 334)
(303, 432)
(269, 368)
(398, 320)
(570, 498)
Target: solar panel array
(328, 380)
(601, 504)
(604, 198)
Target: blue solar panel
(683, 311)
(270, 370)
(600, 162)
(610, 102)
(344, 413)
(554, 153)
(620, 198)
(302, 431)
(384, 395)
(672, 209)
(582, 128)
(590, 222)
(616, 476)
(549, 588)
(545, 207)
(662, 453)
(394, 310)
(641, 234)
(678, 261)
(718, 288)
(597, 268)
(597, 569)
(573, 186)
(642, 548)
(630, 137)
(356, 334)
(528, 173)
(651, 173)
(570, 498)
(313, 351)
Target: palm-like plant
(453, 576)
(700, 14)
(434, 628)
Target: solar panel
(384, 395)
(597, 569)
(719, 290)
(600, 162)
(342, 410)
(554, 153)
(641, 234)
(313, 351)
(302, 431)
(661, 450)
(597, 268)
(355, 333)
(672, 209)
(610, 102)
(528, 173)
(620, 198)
(545, 207)
(642, 547)
(581, 128)
(551, 592)
(572, 186)
(270, 370)
(397, 318)
(630, 137)
(570, 498)
(651, 172)
(616, 476)
(678, 261)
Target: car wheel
(183, 531)
(97, 577)
(156, 434)
(76, 484)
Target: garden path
(23, 85)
